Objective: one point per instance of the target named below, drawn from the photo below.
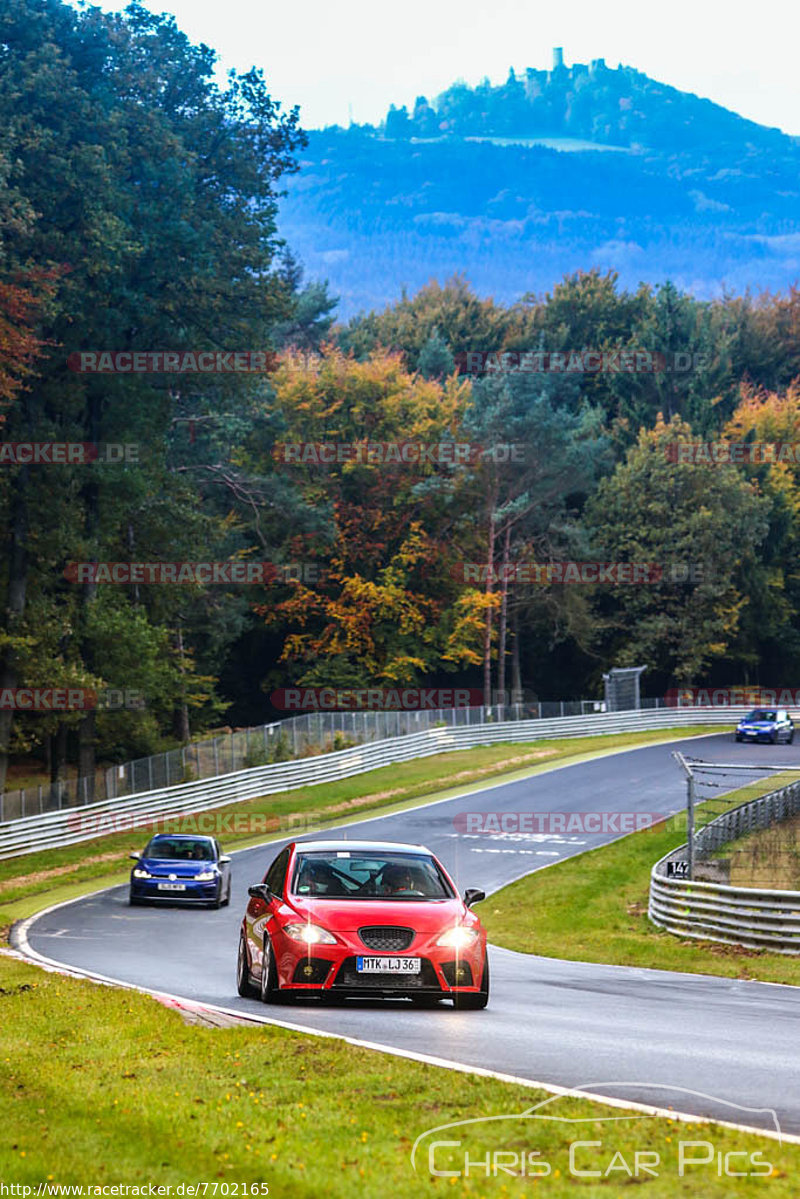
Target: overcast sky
(358, 56)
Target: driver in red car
(397, 880)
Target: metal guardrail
(753, 917)
(70, 826)
(283, 740)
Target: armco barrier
(749, 916)
(53, 829)
(283, 740)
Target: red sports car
(362, 918)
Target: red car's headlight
(459, 937)
(309, 934)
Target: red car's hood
(347, 915)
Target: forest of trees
(138, 209)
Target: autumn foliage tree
(385, 608)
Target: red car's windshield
(354, 874)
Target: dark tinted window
(276, 875)
(359, 874)
(181, 849)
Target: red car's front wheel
(473, 1001)
(243, 983)
(269, 975)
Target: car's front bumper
(193, 892)
(333, 969)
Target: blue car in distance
(176, 866)
(766, 724)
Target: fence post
(216, 756)
(690, 824)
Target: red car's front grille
(386, 938)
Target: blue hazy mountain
(516, 184)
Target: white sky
(334, 57)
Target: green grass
(593, 908)
(51, 873)
(100, 1086)
(768, 858)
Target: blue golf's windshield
(180, 849)
(761, 714)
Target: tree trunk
(57, 753)
(87, 728)
(87, 764)
(487, 635)
(516, 675)
(501, 651)
(180, 719)
(15, 608)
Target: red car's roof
(369, 846)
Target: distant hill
(553, 171)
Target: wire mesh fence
(285, 740)
(747, 825)
(736, 880)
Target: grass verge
(58, 874)
(103, 1087)
(593, 908)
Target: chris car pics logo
(513, 1144)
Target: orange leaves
(766, 416)
(19, 346)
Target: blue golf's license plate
(387, 965)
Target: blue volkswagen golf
(766, 724)
(181, 867)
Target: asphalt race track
(651, 1036)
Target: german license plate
(172, 886)
(386, 965)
